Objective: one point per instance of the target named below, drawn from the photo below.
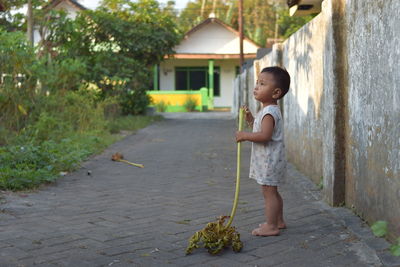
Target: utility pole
(241, 33)
(29, 18)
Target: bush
(190, 104)
(161, 106)
(134, 101)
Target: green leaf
(395, 250)
(379, 228)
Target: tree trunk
(29, 19)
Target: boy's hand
(241, 136)
(248, 116)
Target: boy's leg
(281, 222)
(272, 206)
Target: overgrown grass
(60, 135)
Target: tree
(288, 24)
(119, 43)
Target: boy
(268, 163)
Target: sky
(92, 4)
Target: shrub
(134, 101)
(190, 104)
(161, 106)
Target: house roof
(304, 7)
(73, 3)
(220, 22)
(213, 39)
(291, 3)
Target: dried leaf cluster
(216, 236)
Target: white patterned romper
(268, 161)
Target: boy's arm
(267, 127)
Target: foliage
(60, 74)
(288, 24)
(215, 237)
(17, 80)
(27, 81)
(190, 104)
(53, 97)
(395, 249)
(32, 164)
(12, 19)
(379, 228)
(30, 161)
(120, 42)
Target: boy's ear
(277, 93)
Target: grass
(130, 123)
(26, 163)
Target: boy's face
(266, 90)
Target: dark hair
(282, 78)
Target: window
(194, 78)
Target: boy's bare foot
(280, 225)
(265, 230)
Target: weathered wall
(302, 56)
(342, 113)
(373, 169)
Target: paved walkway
(125, 216)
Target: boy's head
(281, 78)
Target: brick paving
(126, 216)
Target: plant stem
(236, 200)
(131, 163)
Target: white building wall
(222, 41)
(227, 76)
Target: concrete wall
(302, 56)
(373, 155)
(342, 113)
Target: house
(208, 56)
(71, 7)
